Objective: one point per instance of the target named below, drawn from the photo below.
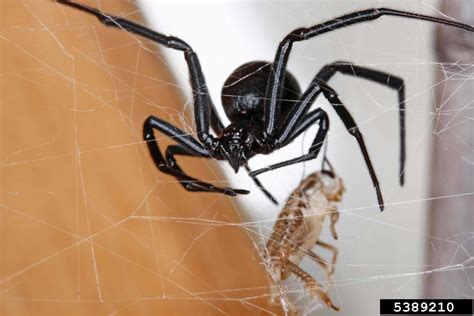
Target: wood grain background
(88, 226)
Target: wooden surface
(88, 226)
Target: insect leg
(330, 248)
(333, 218)
(310, 284)
(323, 263)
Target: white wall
(381, 254)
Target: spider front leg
(204, 111)
(275, 86)
(386, 79)
(188, 183)
(203, 106)
(187, 146)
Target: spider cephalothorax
(236, 142)
(264, 104)
(243, 98)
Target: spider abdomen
(243, 92)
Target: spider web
(89, 226)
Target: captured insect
(298, 229)
(264, 103)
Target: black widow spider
(258, 98)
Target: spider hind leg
(301, 122)
(386, 79)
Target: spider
(259, 100)
(297, 231)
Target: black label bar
(426, 307)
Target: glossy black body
(264, 104)
(243, 93)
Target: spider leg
(310, 284)
(190, 183)
(295, 126)
(261, 187)
(391, 81)
(318, 115)
(275, 82)
(188, 146)
(204, 110)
